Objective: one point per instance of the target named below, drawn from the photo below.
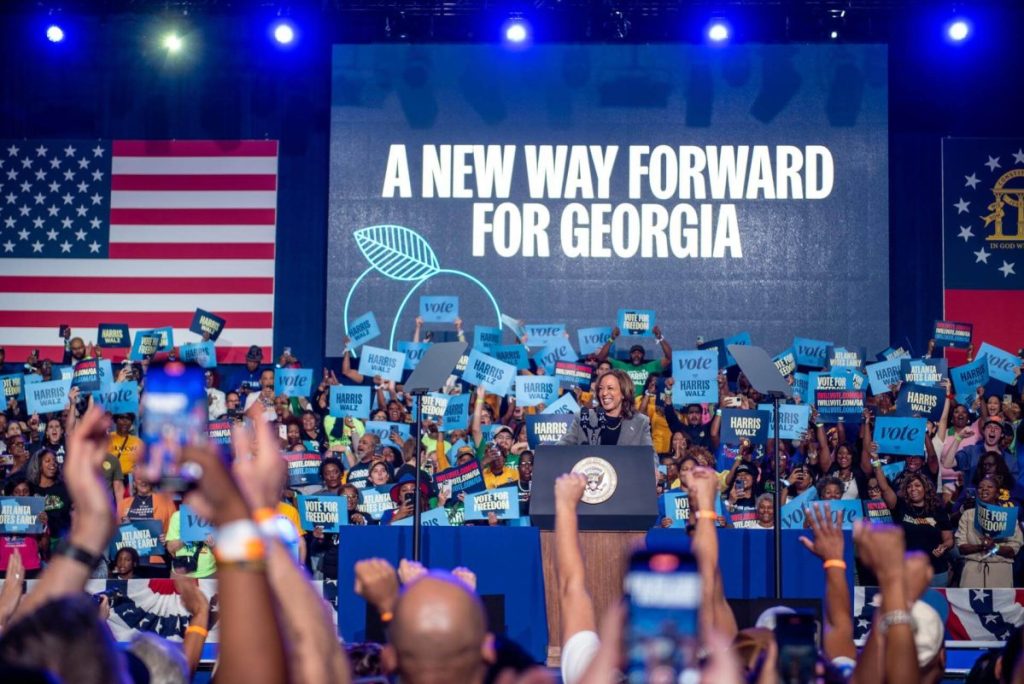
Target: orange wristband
(265, 513)
(834, 563)
(196, 629)
(709, 515)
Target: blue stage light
(718, 31)
(54, 33)
(284, 32)
(517, 31)
(958, 30)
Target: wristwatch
(77, 553)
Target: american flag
(983, 237)
(139, 233)
(983, 615)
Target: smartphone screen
(174, 413)
(663, 591)
(795, 636)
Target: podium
(621, 492)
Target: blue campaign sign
(20, 514)
(793, 419)
(325, 511)
(545, 428)
(536, 389)
(293, 382)
(845, 512)
(968, 378)
(13, 386)
(502, 501)
(557, 350)
(486, 338)
(512, 354)
(439, 309)
(953, 334)
(303, 467)
(742, 339)
(112, 335)
(86, 376)
(696, 377)
(204, 354)
(413, 351)
(192, 527)
(121, 397)
(206, 323)
(811, 353)
(145, 345)
(387, 364)
(785, 362)
(891, 470)
(801, 386)
(346, 400)
(565, 404)
(923, 371)
(997, 522)
(514, 325)
(47, 397)
(1001, 364)
(841, 357)
(904, 436)
(676, 507)
(793, 512)
(740, 424)
(106, 370)
(635, 321)
(141, 535)
(373, 501)
(921, 401)
(883, 374)
(488, 371)
(362, 330)
(540, 334)
(571, 374)
(433, 406)
(456, 413)
(383, 430)
(435, 517)
(590, 340)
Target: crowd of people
(968, 459)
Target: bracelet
(261, 515)
(659, 340)
(834, 563)
(239, 542)
(611, 340)
(387, 616)
(896, 617)
(196, 629)
(718, 412)
(705, 515)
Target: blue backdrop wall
(107, 82)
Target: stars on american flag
(54, 199)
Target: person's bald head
(439, 632)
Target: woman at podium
(615, 420)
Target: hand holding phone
(662, 642)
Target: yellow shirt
(127, 450)
(507, 476)
(292, 513)
(661, 436)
